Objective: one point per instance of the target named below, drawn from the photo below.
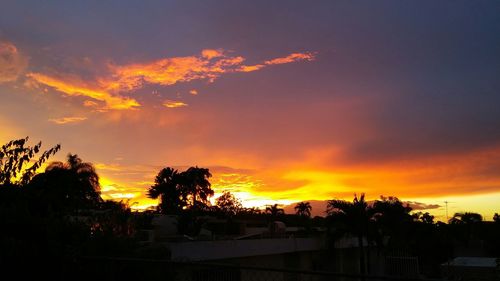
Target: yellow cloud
(66, 120)
(77, 88)
(12, 62)
(193, 92)
(174, 104)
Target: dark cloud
(418, 206)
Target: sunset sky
(284, 101)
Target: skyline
(304, 101)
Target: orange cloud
(169, 71)
(291, 58)
(12, 62)
(210, 54)
(78, 88)
(174, 104)
(193, 92)
(250, 68)
(210, 65)
(288, 59)
(89, 103)
(66, 120)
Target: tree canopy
(15, 157)
(228, 204)
(190, 189)
(303, 209)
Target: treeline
(59, 213)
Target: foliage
(303, 209)
(228, 204)
(351, 217)
(392, 217)
(15, 156)
(190, 189)
(195, 186)
(167, 188)
(66, 187)
(466, 218)
(58, 213)
(274, 210)
(423, 217)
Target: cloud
(12, 62)
(417, 206)
(210, 54)
(250, 68)
(109, 89)
(288, 59)
(66, 120)
(174, 104)
(193, 92)
(79, 88)
(169, 71)
(291, 58)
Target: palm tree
(353, 217)
(178, 191)
(274, 210)
(393, 219)
(196, 187)
(166, 188)
(466, 218)
(466, 224)
(303, 209)
(68, 186)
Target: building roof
(474, 262)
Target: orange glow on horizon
(426, 181)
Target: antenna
(446, 204)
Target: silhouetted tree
(167, 188)
(466, 218)
(114, 219)
(466, 225)
(16, 155)
(66, 187)
(228, 204)
(424, 217)
(190, 189)
(393, 219)
(303, 209)
(251, 211)
(195, 187)
(351, 217)
(274, 211)
(496, 218)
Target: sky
(283, 101)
